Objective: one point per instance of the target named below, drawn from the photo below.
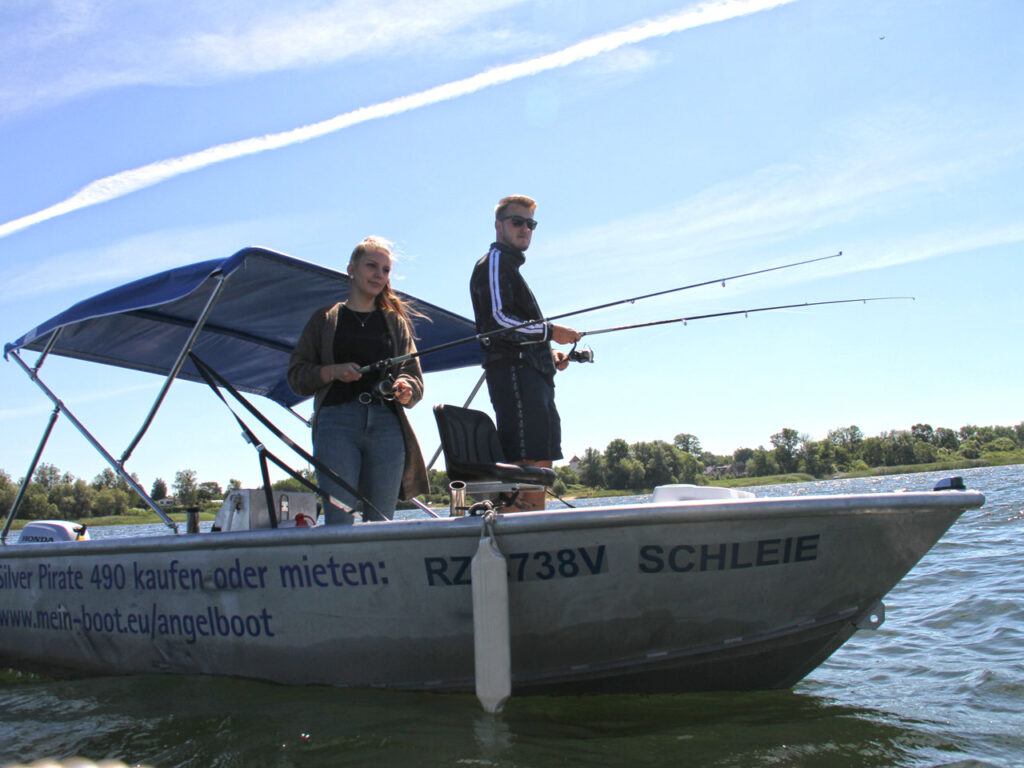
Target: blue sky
(666, 143)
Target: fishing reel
(385, 388)
(581, 355)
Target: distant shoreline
(147, 517)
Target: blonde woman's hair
(387, 299)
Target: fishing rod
(387, 363)
(685, 320)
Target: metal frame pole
(114, 463)
(172, 375)
(29, 474)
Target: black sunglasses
(518, 221)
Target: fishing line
(387, 363)
(685, 320)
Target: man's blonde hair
(506, 202)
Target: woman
(362, 435)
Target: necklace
(361, 317)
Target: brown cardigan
(315, 349)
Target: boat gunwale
(645, 514)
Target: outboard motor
(47, 531)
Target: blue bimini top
(263, 305)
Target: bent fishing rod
(685, 320)
(387, 363)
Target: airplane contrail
(124, 183)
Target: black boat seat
(472, 452)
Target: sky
(667, 142)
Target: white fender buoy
(492, 655)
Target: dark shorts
(524, 403)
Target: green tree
(946, 438)
(742, 455)
(108, 478)
(111, 501)
(210, 489)
(7, 492)
(73, 499)
(185, 487)
(289, 484)
(634, 473)
(970, 449)
(616, 451)
(899, 448)
(848, 438)
(873, 452)
(923, 432)
(81, 501)
(809, 456)
(35, 502)
(566, 474)
(159, 490)
(660, 462)
(762, 463)
(925, 453)
(687, 443)
(48, 476)
(999, 444)
(592, 469)
(617, 470)
(785, 443)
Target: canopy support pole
(479, 383)
(114, 463)
(28, 475)
(46, 350)
(173, 374)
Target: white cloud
(128, 259)
(105, 395)
(62, 49)
(859, 175)
(126, 182)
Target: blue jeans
(363, 445)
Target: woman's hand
(340, 372)
(403, 391)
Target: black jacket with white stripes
(502, 299)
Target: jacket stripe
(497, 313)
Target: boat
(697, 589)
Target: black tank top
(363, 338)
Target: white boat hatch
(687, 492)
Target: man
(520, 365)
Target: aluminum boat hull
(681, 596)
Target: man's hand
(563, 334)
(560, 358)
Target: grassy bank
(135, 517)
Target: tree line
(625, 466)
(56, 494)
(621, 466)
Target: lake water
(941, 683)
